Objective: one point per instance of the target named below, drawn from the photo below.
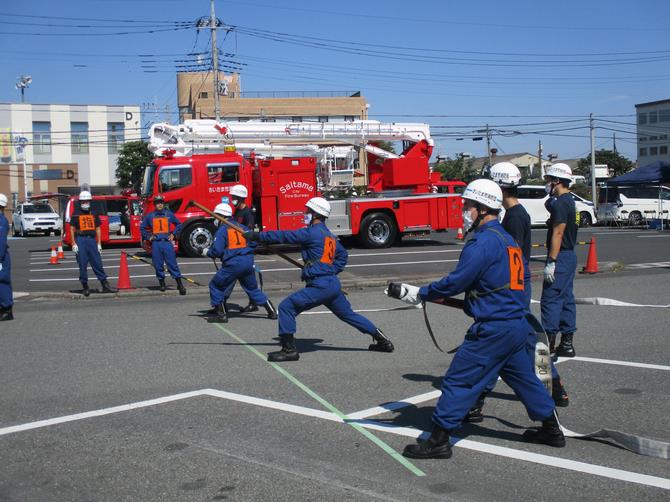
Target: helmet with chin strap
(484, 192)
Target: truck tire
(635, 218)
(196, 237)
(378, 230)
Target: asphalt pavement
(142, 399)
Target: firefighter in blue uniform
(243, 215)
(490, 272)
(324, 257)
(6, 298)
(237, 264)
(516, 222)
(86, 243)
(155, 227)
(558, 300)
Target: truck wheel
(196, 237)
(585, 219)
(378, 230)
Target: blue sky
(529, 67)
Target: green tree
(134, 157)
(456, 169)
(618, 163)
(385, 145)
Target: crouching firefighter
(155, 227)
(324, 257)
(490, 272)
(86, 243)
(237, 264)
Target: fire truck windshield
(148, 183)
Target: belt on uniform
(162, 240)
(86, 236)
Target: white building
(653, 127)
(87, 135)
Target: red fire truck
(201, 160)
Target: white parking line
(501, 451)
(407, 252)
(651, 236)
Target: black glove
(252, 236)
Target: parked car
(38, 217)
(633, 204)
(533, 199)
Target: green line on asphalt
(384, 446)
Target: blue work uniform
(490, 272)
(6, 298)
(86, 224)
(157, 223)
(324, 257)
(558, 299)
(245, 217)
(237, 264)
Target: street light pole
(215, 61)
(593, 163)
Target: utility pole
(539, 157)
(488, 143)
(215, 61)
(594, 198)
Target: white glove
(407, 293)
(205, 251)
(99, 248)
(75, 249)
(550, 272)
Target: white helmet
(3, 200)
(560, 171)
(85, 195)
(505, 174)
(485, 192)
(319, 205)
(224, 209)
(239, 191)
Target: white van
(633, 204)
(533, 198)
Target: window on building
(114, 136)
(174, 177)
(296, 119)
(642, 118)
(349, 118)
(643, 152)
(643, 139)
(653, 117)
(204, 95)
(226, 172)
(323, 118)
(663, 150)
(653, 150)
(268, 119)
(653, 138)
(663, 136)
(664, 115)
(79, 132)
(42, 137)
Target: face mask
(236, 201)
(467, 220)
(549, 187)
(308, 218)
(86, 207)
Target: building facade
(87, 138)
(653, 128)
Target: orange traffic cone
(124, 275)
(61, 254)
(591, 261)
(54, 256)
(459, 235)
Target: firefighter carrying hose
(324, 258)
(237, 264)
(490, 271)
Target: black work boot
(6, 314)
(565, 348)
(180, 286)
(558, 393)
(85, 291)
(270, 309)
(475, 415)
(106, 288)
(382, 343)
(161, 284)
(251, 307)
(436, 446)
(550, 433)
(552, 345)
(220, 313)
(288, 351)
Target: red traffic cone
(124, 274)
(61, 254)
(591, 261)
(54, 256)
(459, 235)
